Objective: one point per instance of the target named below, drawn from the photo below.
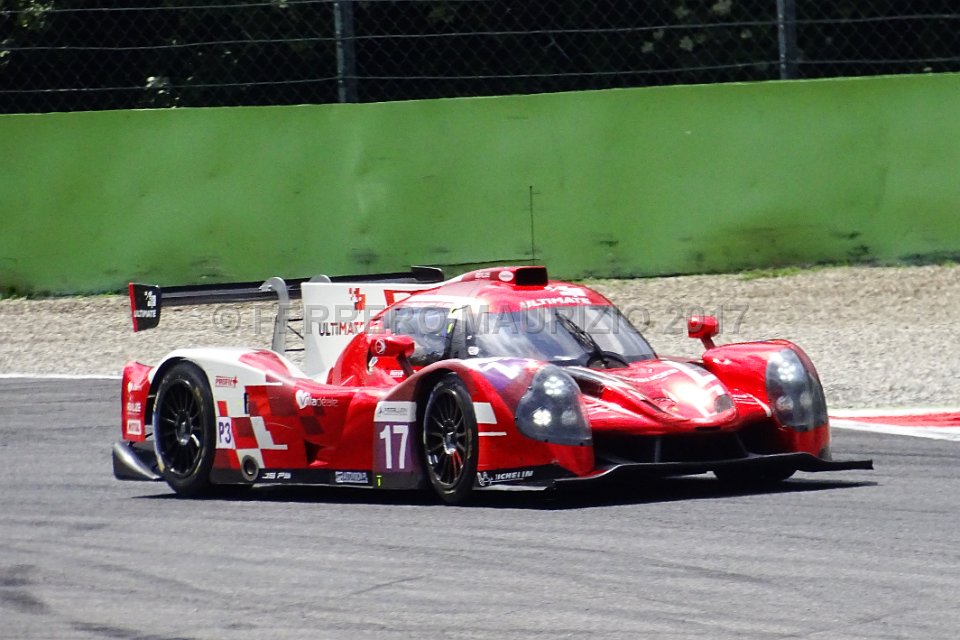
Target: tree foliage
(99, 54)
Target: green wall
(625, 183)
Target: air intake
(531, 276)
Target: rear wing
(147, 300)
(335, 308)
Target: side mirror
(703, 328)
(393, 346)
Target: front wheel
(183, 430)
(450, 440)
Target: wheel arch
(158, 375)
(218, 361)
(425, 385)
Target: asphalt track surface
(845, 555)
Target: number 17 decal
(388, 435)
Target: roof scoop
(524, 276)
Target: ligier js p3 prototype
(499, 378)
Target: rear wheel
(450, 444)
(183, 430)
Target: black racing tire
(753, 479)
(184, 432)
(450, 440)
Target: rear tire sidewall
(197, 482)
(457, 493)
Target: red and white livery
(496, 378)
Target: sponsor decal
(339, 328)
(304, 400)
(351, 477)
(506, 276)
(555, 301)
(150, 298)
(393, 411)
(566, 290)
(380, 346)
(358, 299)
(225, 434)
(134, 406)
(134, 428)
(276, 475)
(487, 478)
(226, 381)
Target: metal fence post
(346, 52)
(787, 38)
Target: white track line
(56, 376)
(934, 433)
(881, 413)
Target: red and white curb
(936, 424)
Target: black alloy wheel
(450, 440)
(183, 430)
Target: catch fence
(69, 55)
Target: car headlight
(795, 395)
(550, 409)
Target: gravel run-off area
(879, 336)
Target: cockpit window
(429, 328)
(563, 335)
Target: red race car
(496, 378)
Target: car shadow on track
(650, 492)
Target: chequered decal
(279, 403)
(282, 425)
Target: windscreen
(562, 335)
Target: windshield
(427, 326)
(552, 334)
